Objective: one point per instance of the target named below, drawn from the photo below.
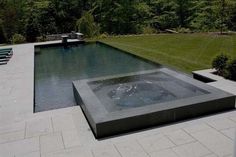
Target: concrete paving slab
(131, 149)
(106, 151)
(155, 143)
(32, 154)
(215, 141)
(221, 124)
(37, 127)
(51, 143)
(180, 137)
(73, 152)
(192, 149)
(19, 147)
(12, 136)
(164, 153)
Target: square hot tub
(123, 103)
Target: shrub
(220, 64)
(183, 30)
(32, 28)
(232, 70)
(18, 39)
(149, 30)
(41, 39)
(104, 35)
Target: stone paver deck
(66, 133)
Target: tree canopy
(33, 18)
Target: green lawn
(186, 52)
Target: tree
(66, 13)
(42, 17)
(232, 22)
(32, 29)
(142, 14)
(45, 19)
(164, 14)
(87, 26)
(2, 33)
(184, 12)
(224, 9)
(204, 17)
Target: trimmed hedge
(224, 66)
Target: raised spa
(123, 103)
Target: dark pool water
(56, 68)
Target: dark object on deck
(80, 36)
(64, 39)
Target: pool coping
(105, 124)
(208, 76)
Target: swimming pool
(57, 66)
(119, 92)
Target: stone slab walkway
(65, 132)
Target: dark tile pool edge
(202, 78)
(106, 124)
(164, 117)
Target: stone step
(4, 59)
(5, 53)
(3, 62)
(6, 49)
(5, 56)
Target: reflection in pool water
(139, 93)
